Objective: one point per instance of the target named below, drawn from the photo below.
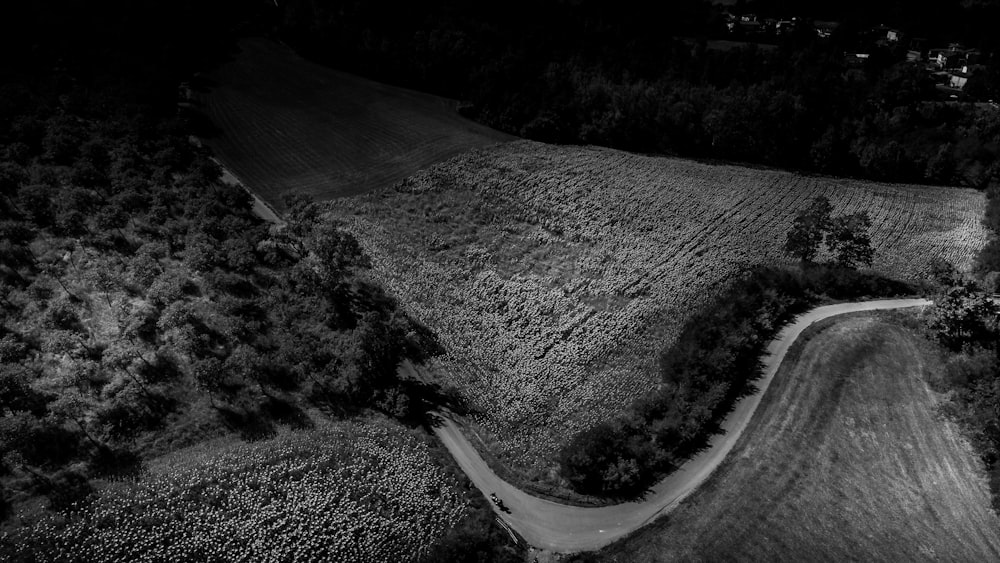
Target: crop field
(352, 492)
(289, 125)
(554, 275)
(846, 459)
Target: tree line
(717, 356)
(965, 320)
(587, 72)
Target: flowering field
(347, 492)
(553, 275)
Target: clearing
(554, 275)
(846, 459)
(292, 126)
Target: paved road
(561, 528)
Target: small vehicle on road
(496, 500)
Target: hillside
(846, 459)
(554, 275)
(291, 126)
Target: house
(913, 56)
(855, 59)
(955, 56)
(958, 79)
(746, 27)
(944, 58)
(783, 26)
(825, 28)
(893, 35)
(879, 33)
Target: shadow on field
(200, 124)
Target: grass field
(289, 125)
(553, 275)
(845, 460)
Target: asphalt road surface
(561, 528)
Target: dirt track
(551, 526)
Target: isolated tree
(809, 229)
(848, 240)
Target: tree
(73, 406)
(112, 217)
(246, 365)
(809, 229)
(599, 461)
(15, 241)
(12, 177)
(848, 240)
(121, 355)
(965, 315)
(105, 276)
(16, 392)
(209, 375)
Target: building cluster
(950, 66)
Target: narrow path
(561, 528)
(260, 207)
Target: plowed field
(554, 275)
(289, 125)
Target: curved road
(561, 528)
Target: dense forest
(144, 307)
(136, 286)
(611, 74)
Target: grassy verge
(847, 458)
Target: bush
(710, 366)
(598, 461)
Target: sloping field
(845, 460)
(289, 125)
(553, 275)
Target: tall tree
(809, 229)
(849, 241)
